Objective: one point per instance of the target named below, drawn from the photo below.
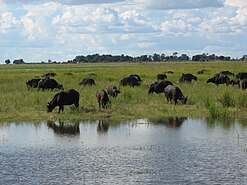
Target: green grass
(204, 100)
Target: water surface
(162, 151)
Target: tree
(18, 61)
(7, 62)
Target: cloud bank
(60, 29)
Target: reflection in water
(170, 122)
(161, 151)
(103, 126)
(64, 128)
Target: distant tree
(18, 61)
(184, 57)
(7, 62)
(243, 58)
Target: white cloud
(237, 3)
(7, 21)
(178, 4)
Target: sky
(59, 30)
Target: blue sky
(38, 30)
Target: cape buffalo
(113, 91)
(132, 80)
(244, 84)
(202, 71)
(161, 76)
(48, 83)
(62, 98)
(87, 81)
(158, 87)
(102, 98)
(187, 78)
(228, 73)
(241, 75)
(52, 74)
(235, 82)
(219, 79)
(172, 92)
(33, 83)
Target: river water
(162, 151)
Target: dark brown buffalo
(219, 79)
(244, 84)
(62, 98)
(33, 83)
(235, 82)
(52, 74)
(158, 87)
(102, 98)
(202, 71)
(161, 76)
(132, 80)
(49, 84)
(241, 75)
(172, 92)
(187, 78)
(113, 91)
(87, 81)
(228, 73)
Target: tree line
(94, 58)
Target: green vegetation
(204, 100)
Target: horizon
(60, 30)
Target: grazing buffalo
(62, 98)
(132, 80)
(113, 91)
(48, 83)
(87, 81)
(235, 82)
(228, 73)
(241, 75)
(102, 98)
(187, 78)
(219, 79)
(244, 84)
(172, 92)
(202, 71)
(161, 76)
(52, 74)
(33, 83)
(158, 87)
(169, 72)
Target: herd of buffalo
(172, 92)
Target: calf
(172, 92)
(113, 91)
(62, 98)
(187, 78)
(87, 81)
(102, 98)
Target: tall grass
(203, 99)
